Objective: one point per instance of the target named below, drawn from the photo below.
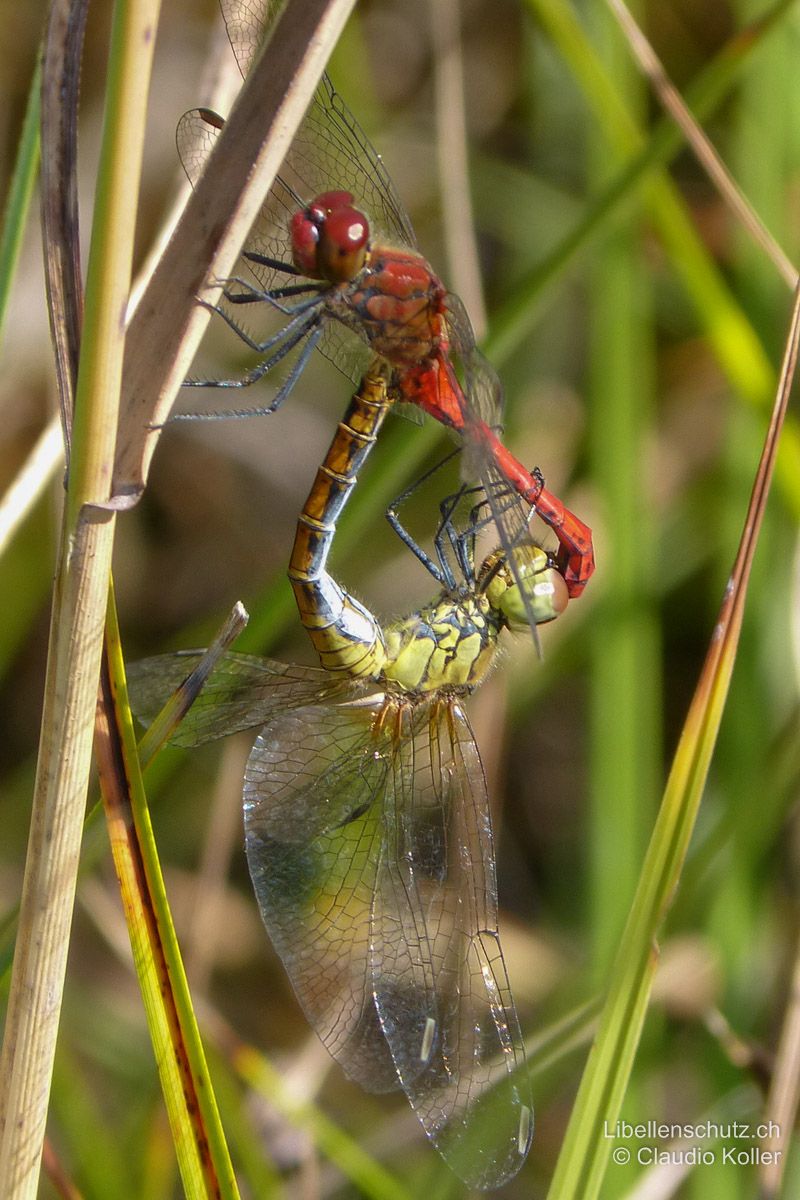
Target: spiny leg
(303, 316)
(252, 377)
(255, 295)
(443, 572)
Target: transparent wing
(436, 902)
(195, 136)
(330, 149)
(483, 406)
(482, 388)
(313, 803)
(243, 692)
(248, 22)
(370, 849)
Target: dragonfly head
(329, 238)
(534, 588)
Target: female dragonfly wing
(243, 692)
(436, 899)
(370, 850)
(313, 804)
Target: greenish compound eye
(541, 590)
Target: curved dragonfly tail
(345, 634)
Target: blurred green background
(638, 331)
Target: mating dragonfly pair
(367, 822)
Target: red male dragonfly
(354, 286)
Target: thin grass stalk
(585, 1152)
(57, 1175)
(87, 1139)
(31, 481)
(461, 247)
(202, 1152)
(371, 1179)
(735, 919)
(166, 328)
(48, 451)
(77, 621)
(705, 152)
(515, 318)
(149, 745)
(246, 1135)
(23, 178)
(783, 1098)
(731, 335)
(764, 144)
(250, 1066)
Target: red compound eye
(304, 232)
(329, 238)
(328, 202)
(342, 245)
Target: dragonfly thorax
(451, 643)
(396, 304)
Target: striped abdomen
(345, 634)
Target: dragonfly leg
(302, 317)
(442, 576)
(283, 342)
(463, 543)
(443, 572)
(252, 377)
(253, 295)
(275, 264)
(273, 296)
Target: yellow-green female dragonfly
(367, 824)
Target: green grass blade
(18, 204)
(735, 342)
(372, 1180)
(624, 653)
(585, 1152)
(513, 320)
(191, 1106)
(76, 628)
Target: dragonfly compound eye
(329, 237)
(538, 591)
(328, 202)
(304, 232)
(342, 245)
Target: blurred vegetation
(638, 331)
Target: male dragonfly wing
(330, 148)
(269, 241)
